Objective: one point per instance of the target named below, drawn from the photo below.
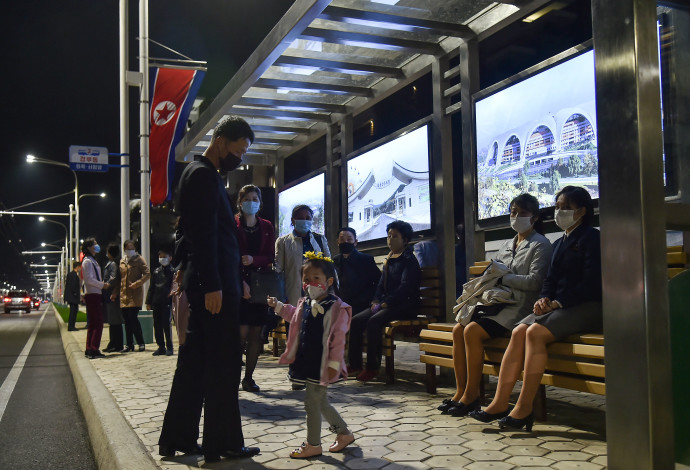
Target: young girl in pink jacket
(315, 350)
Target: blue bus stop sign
(85, 158)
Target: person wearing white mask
(159, 301)
(527, 255)
(569, 303)
(256, 238)
(93, 297)
(134, 272)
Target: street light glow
(102, 194)
(30, 158)
(43, 244)
(41, 219)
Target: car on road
(17, 300)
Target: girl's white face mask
(315, 291)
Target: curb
(115, 444)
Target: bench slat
(436, 360)
(572, 383)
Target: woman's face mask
(303, 226)
(521, 224)
(565, 218)
(250, 207)
(130, 253)
(164, 261)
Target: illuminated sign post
(83, 158)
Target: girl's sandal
(305, 451)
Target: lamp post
(34, 159)
(64, 252)
(101, 195)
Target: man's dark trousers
(161, 326)
(72, 320)
(208, 374)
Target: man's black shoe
(167, 451)
(158, 352)
(72, 329)
(242, 452)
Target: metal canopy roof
(328, 58)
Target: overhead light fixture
(547, 9)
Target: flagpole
(124, 121)
(144, 127)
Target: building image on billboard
(390, 182)
(537, 136)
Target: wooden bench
(575, 363)
(429, 311)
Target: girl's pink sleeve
(336, 351)
(287, 312)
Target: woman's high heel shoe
(446, 405)
(462, 409)
(484, 417)
(517, 423)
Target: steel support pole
(333, 194)
(144, 127)
(124, 121)
(442, 166)
(70, 246)
(639, 411)
(77, 243)
(469, 84)
(346, 148)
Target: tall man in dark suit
(209, 364)
(73, 295)
(358, 274)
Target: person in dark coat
(210, 363)
(358, 274)
(569, 303)
(111, 275)
(396, 298)
(73, 295)
(158, 299)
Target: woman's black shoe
(446, 405)
(248, 385)
(242, 452)
(485, 417)
(515, 423)
(167, 451)
(462, 409)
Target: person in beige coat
(133, 273)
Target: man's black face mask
(230, 162)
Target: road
(41, 423)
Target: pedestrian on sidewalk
(315, 350)
(111, 275)
(134, 272)
(158, 299)
(180, 303)
(210, 363)
(73, 295)
(257, 241)
(93, 296)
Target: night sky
(60, 88)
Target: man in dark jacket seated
(396, 298)
(358, 274)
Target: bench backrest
(430, 294)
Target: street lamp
(34, 159)
(101, 195)
(64, 253)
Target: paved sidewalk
(397, 427)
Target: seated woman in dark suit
(569, 303)
(396, 298)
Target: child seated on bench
(569, 303)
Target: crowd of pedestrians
(533, 292)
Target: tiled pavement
(397, 427)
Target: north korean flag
(172, 94)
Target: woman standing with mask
(256, 239)
(134, 272)
(111, 276)
(528, 255)
(290, 250)
(396, 298)
(569, 303)
(93, 297)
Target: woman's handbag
(266, 283)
